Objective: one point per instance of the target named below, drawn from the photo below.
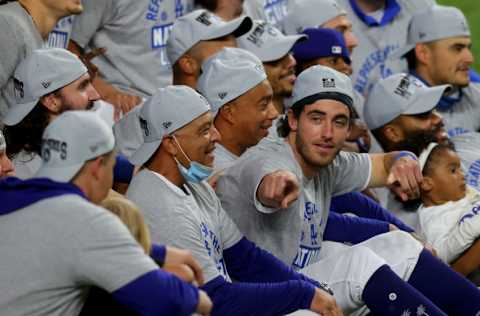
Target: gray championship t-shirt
(60, 35)
(135, 34)
(464, 115)
(467, 146)
(371, 59)
(223, 158)
(294, 235)
(18, 38)
(55, 249)
(191, 219)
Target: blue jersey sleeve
(248, 263)
(158, 293)
(363, 206)
(258, 299)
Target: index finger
(197, 270)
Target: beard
(308, 156)
(416, 141)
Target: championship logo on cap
(144, 126)
(204, 18)
(18, 88)
(328, 82)
(403, 88)
(255, 36)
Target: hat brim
(16, 113)
(401, 52)
(427, 100)
(237, 27)
(144, 152)
(280, 48)
(60, 174)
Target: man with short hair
(25, 26)
(77, 244)
(274, 50)
(302, 14)
(279, 193)
(47, 83)
(182, 209)
(235, 84)
(439, 52)
(381, 27)
(6, 165)
(197, 36)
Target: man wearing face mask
(182, 209)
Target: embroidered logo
(144, 126)
(46, 84)
(166, 125)
(222, 95)
(18, 88)
(422, 35)
(204, 18)
(403, 88)
(336, 49)
(328, 82)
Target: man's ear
(422, 53)
(292, 121)
(169, 145)
(188, 65)
(226, 112)
(51, 102)
(94, 167)
(393, 133)
(427, 184)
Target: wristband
(405, 153)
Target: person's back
(50, 255)
(19, 37)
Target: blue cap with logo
(321, 42)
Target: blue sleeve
(363, 206)
(352, 229)
(258, 299)
(123, 170)
(158, 293)
(158, 253)
(248, 263)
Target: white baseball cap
(42, 72)
(201, 25)
(399, 94)
(267, 42)
(436, 23)
(320, 82)
(72, 139)
(302, 14)
(127, 131)
(3, 143)
(165, 112)
(229, 74)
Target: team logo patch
(166, 125)
(255, 36)
(144, 126)
(328, 82)
(50, 145)
(46, 84)
(336, 49)
(18, 88)
(204, 18)
(403, 88)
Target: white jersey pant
(347, 269)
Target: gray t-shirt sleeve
(182, 231)
(351, 172)
(96, 13)
(104, 253)
(10, 56)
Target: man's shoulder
(413, 7)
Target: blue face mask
(196, 172)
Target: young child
(449, 214)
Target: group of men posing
(248, 146)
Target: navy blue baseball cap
(321, 42)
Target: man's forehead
(463, 40)
(329, 106)
(193, 126)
